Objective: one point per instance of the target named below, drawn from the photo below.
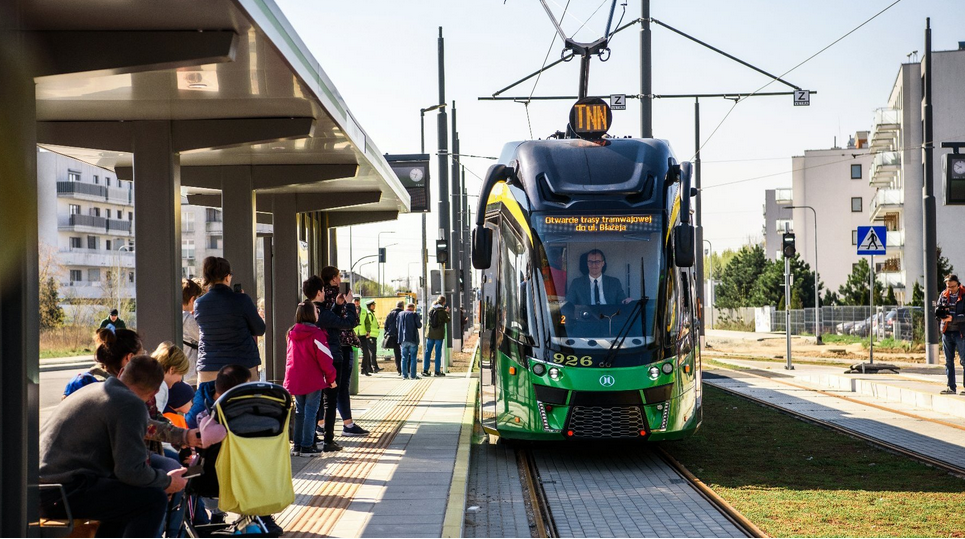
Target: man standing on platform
(368, 331)
(408, 324)
(952, 324)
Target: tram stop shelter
(219, 101)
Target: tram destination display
(566, 224)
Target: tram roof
(202, 64)
(559, 173)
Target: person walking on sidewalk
(391, 332)
(368, 330)
(308, 371)
(409, 323)
(436, 335)
(952, 326)
(112, 322)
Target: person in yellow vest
(368, 332)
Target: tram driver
(593, 287)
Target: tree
(51, 314)
(944, 269)
(855, 290)
(917, 295)
(737, 278)
(830, 298)
(890, 298)
(769, 287)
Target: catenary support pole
(787, 310)
(455, 238)
(646, 89)
(443, 164)
(928, 204)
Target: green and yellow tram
(588, 306)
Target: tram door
(487, 340)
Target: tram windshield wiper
(639, 310)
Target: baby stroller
(250, 471)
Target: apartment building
(897, 172)
(777, 220)
(834, 182)
(202, 235)
(86, 227)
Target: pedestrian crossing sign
(871, 240)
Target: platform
(399, 481)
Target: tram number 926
(572, 361)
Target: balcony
(214, 227)
(95, 193)
(884, 129)
(895, 279)
(118, 226)
(82, 223)
(784, 196)
(95, 258)
(895, 240)
(885, 169)
(91, 290)
(886, 201)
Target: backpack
(434, 318)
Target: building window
(74, 242)
(854, 267)
(94, 275)
(856, 172)
(212, 215)
(120, 214)
(107, 245)
(75, 276)
(187, 249)
(784, 225)
(130, 216)
(214, 242)
(854, 237)
(108, 180)
(95, 212)
(97, 180)
(73, 176)
(75, 209)
(130, 276)
(855, 204)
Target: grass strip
(795, 479)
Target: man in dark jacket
(408, 324)
(93, 444)
(391, 331)
(952, 327)
(229, 323)
(436, 335)
(113, 321)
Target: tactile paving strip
(324, 489)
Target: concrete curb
(76, 365)
(455, 521)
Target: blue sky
(382, 57)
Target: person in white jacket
(190, 291)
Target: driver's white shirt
(593, 287)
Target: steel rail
(726, 509)
(545, 525)
(914, 455)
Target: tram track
(878, 442)
(656, 475)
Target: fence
(889, 321)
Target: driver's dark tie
(596, 290)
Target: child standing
(308, 371)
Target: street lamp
(817, 295)
(425, 254)
(710, 254)
(379, 236)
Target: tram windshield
(595, 270)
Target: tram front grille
(607, 422)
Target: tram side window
(686, 326)
(515, 281)
(671, 314)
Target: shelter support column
(19, 290)
(286, 287)
(238, 207)
(157, 253)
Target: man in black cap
(113, 322)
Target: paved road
(52, 388)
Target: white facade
(896, 139)
(777, 220)
(86, 224)
(835, 183)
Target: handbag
(389, 341)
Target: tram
(589, 317)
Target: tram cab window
(595, 272)
(515, 281)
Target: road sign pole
(787, 310)
(871, 325)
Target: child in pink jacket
(308, 371)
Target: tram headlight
(539, 369)
(667, 368)
(555, 373)
(654, 372)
